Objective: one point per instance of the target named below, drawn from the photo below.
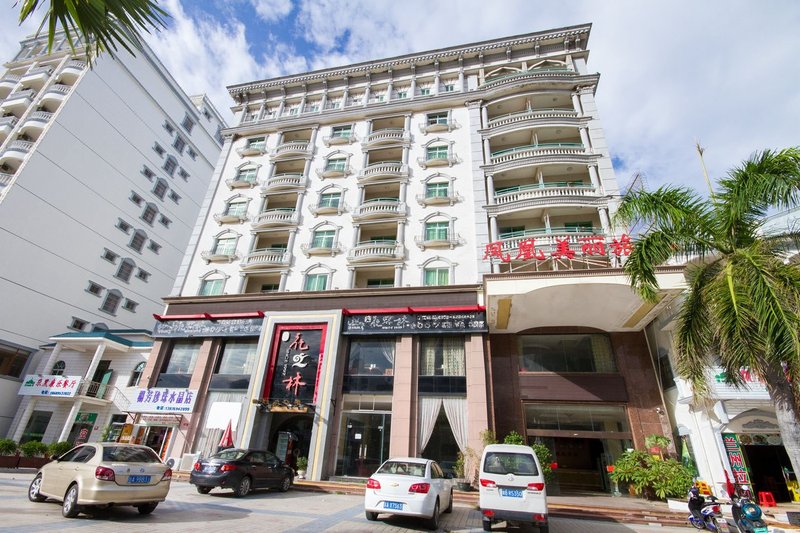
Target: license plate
(394, 506)
(210, 469)
(511, 493)
(138, 479)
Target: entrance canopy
(599, 299)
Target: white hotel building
(102, 173)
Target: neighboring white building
(102, 173)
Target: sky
(723, 73)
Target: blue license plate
(138, 479)
(511, 493)
(394, 506)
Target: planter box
(32, 462)
(9, 461)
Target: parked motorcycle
(747, 515)
(710, 511)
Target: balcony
(510, 199)
(230, 218)
(284, 183)
(219, 256)
(16, 150)
(35, 123)
(291, 150)
(242, 181)
(55, 94)
(5, 179)
(438, 241)
(36, 77)
(383, 171)
(382, 208)
(546, 240)
(267, 257)
(321, 248)
(71, 71)
(17, 102)
(251, 149)
(339, 139)
(555, 73)
(539, 115)
(438, 125)
(275, 218)
(450, 198)
(388, 136)
(7, 84)
(327, 208)
(538, 153)
(7, 126)
(376, 251)
(437, 160)
(334, 171)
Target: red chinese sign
(740, 473)
(594, 245)
(295, 363)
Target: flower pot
(301, 474)
(464, 486)
(9, 461)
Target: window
(436, 277)
(77, 324)
(170, 165)
(183, 174)
(58, 368)
(425, 91)
(36, 426)
(164, 221)
(437, 231)
(235, 365)
(247, 174)
(143, 275)
(566, 353)
(211, 287)
(572, 417)
(436, 152)
(125, 270)
(578, 227)
(371, 357)
(109, 256)
(330, 199)
(12, 360)
(386, 282)
(187, 124)
(225, 246)
(442, 356)
(154, 246)
(338, 164)
(137, 242)
(191, 153)
(342, 132)
(270, 287)
(257, 143)
(135, 198)
(449, 87)
(323, 239)
(294, 110)
(136, 376)
(236, 209)
(124, 226)
(402, 94)
(129, 305)
(149, 174)
(169, 127)
(160, 188)
(94, 288)
(316, 282)
(175, 197)
(182, 357)
(437, 118)
(157, 148)
(437, 190)
(149, 214)
(111, 303)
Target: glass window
(160, 188)
(436, 277)
(154, 246)
(36, 426)
(129, 454)
(323, 239)
(578, 226)
(12, 361)
(158, 149)
(58, 368)
(436, 190)
(371, 356)
(187, 124)
(135, 198)
(94, 288)
(182, 357)
(442, 356)
(236, 209)
(437, 118)
(270, 287)
(316, 282)
(149, 214)
(130, 305)
(136, 376)
(164, 221)
(576, 417)
(238, 357)
(170, 165)
(387, 282)
(449, 87)
(566, 353)
(343, 132)
(211, 287)
(108, 255)
(111, 303)
(247, 174)
(425, 91)
(402, 94)
(179, 144)
(520, 464)
(143, 275)
(257, 143)
(125, 270)
(225, 246)
(436, 231)
(436, 152)
(336, 164)
(175, 197)
(330, 199)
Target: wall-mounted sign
(564, 248)
(416, 323)
(223, 327)
(163, 400)
(38, 385)
(294, 363)
(741, 475)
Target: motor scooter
(747, 515)
(710, 512)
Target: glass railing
(539, 186)
(554, 70)
(544, 146)
(551, 231)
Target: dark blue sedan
(242, 471)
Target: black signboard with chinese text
(294, 363)
(416, 323)
(223, 327)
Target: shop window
(370, 365)
(442, 366)
(36, 426)
(235, 365)
(116, 424)
(577, 417)
(179, 364)
(136, 376)
(566, 353)
(58, 368)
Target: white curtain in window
(428, 362)
(428, 412)
(386, 349)
(453, 356)
(456, 411)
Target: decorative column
(493, 234)
(324, 101)
(351, 276)
(401, 231)
(53, 358)
(390, 87)
(73, 413)
(404, 405)
(368, 90)
(587, 144)
(540, 177)
(398, 275)
(282, 282)
(484, 117)
(487, 152)
(576, 104)
(461, 73)
(436, 77)
(546, 218)
(98, 354)
(490, 189)
(413, 81)
(23, 420)
(595, 177)
(604, 220)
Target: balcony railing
(8, 121)
(18, 95)
(238, 182)
(376, 251)
(327, 208)
(547, 239)
(38, 70)
(379, 207)
(321, 248)
(437, 160)
(534, 73)
(284, 182)
(58, 88)
(292, 148)
(434, 199)
(382, 170)
(251, 149)
(510, 195)
(5, 179)
(19, 146)
(230, 218)
(339, 139)
(334, 171)
(11, 79)
(386, 136)
(218, 256)
(511, 118)
(446, 241)
(266, 257)
(521, 152)
(276, 217)
(94, 389)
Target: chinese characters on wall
(163, 400)
(741, 475)
(591, 246)
(39, 385)
(297, 355)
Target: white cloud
(11, 33)
(272, 10)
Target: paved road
(187, 511)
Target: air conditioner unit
(187, 461)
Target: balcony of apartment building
(235, 211)
(324, 241)
(14, 153)
(337, 165)
(5, 179)
(530, 110)
(35, 123)
(383, 166)
(223, 249)
(329, 202)
(438, 153)
(439, 190)
(535, 146)
(388, 131)
(246, 177)
(438, 231)
(7, 125)
(380, 203)
(377, 243)
(7, 84)
(547, 70)
(53, 95)
(71, 72)
(270, 250)
(18, 102)
(293, 145)
(254, 146)
(261, 283)
(276, 217)
(36, 77)
(340, 135)
(438, 122)
(374, 277)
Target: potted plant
(302, 465)
(9, 456)
(459, 469)
(33, 454)
(651, 476)
(57, 449)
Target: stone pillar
(401, 232)
(23, 421)
(604, 220)
(282, 282)
(48, 367)
(587, 143)
(201, 375)
(413, 82)
(73, 413)
(493, 235)
(576, 104)
(477, 406)
(98, 354)
(490, 189)
(398, 275)
(487, 152)
(595, 177)
(484, 117)
(404, 402)
(351, 277)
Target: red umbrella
(729, 485)
(227, 437)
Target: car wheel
(371, 516)
(203, 490)
(487, 525)
(433, 521)
(33, 490)
(147, 508)
(450, 505)
(286, 483)
(70, 509)
(243, 488)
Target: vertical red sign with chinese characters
(295, 363)
(740, 473)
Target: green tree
(741, 305)
(101, 25)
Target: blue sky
(722, 72)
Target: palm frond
(666, 206)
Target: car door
(70, 468)
(273, 470)
(258, 469)
(437, 479)
(53, 473)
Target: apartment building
(102, 173)
(382, 248)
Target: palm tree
(743, 297)
(101, 25)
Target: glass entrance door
(363, 443)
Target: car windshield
(521, 464)
(402, 468)
(229, 455)
(125, 454)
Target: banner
(741, 475)
(163, 400)
(39, 385)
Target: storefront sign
(416, 323)
(38, 385)
(735, 456)
(163, 400)
(160, 420)
(223, 327)
(591, 246)
(295, 363)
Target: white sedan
(409, 486)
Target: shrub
(649, 474)
(302, 463)
(33, 448)
(514, 438)
(545, 457)
(58, 449)
(488, 437)
(458, 467)
(8, 447)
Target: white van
(512, 487)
